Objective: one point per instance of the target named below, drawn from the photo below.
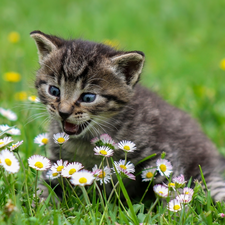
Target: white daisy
(71, 168)
(126, 174)
(9, 161)
(102, 175)
(179, 181)
(52, 174)
(41, 139)
(95, 140)
(10, 130)
(14, 146)
(164, 167)
(5, 141)
(148, 174)
(59, 166)
(39, 162)
(184, 198)
(171, 186)
(103, 151)
(122, 167)
(8, 114)
(188, 191)
(174, 205)
(107, 140)
(60, 138)
(161, 190)
(104, 140)
(34, 99)
(82, 178)
(127, 146)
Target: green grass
(183, 42)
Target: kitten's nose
(65, 110)
(64, 115)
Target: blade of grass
(134, 217)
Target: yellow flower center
(162, 168)
(33, 98)
(59, 168)
(2, 142)
(160, 192)
(44, 141)
(0, 161)
(149, 175)
(101, 175)
(72, 171)
(54, 174)
(186, 193)
(39, 165)
(61, 140)
(83, 180)
(176, 207)
(12, 77)
(171, 185)
(8, 162)
(123, 167)
(103, 152)
(126, 147)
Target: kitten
(90, 89)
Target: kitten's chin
(74, 129)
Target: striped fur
(122, 108)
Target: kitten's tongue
(70, 128)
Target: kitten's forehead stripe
(83, 74)
(62, 70)
(114, 98)
(39, 83)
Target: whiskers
(38, 116)
(33, 111)
(102, 124)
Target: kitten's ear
(45, 43)
(129, 65)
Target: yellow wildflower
(14, 37)
(12, 77)
(222, 64)
(21, 96)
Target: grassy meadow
(184, 44)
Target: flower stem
(64, 193)
(146, 191)
(13, 187)
(28, 201)
(125, 157)
(103, 175)
(118, 197)
(35, 190)
(150, 210)
(106, 207)
(87, 200)
(60, 151)
(75, 193)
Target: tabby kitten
(90, 89)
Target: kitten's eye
(54, 91)
(88, 97)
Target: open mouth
(74, 129)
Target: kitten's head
(83, 83)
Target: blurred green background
(183, 41)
